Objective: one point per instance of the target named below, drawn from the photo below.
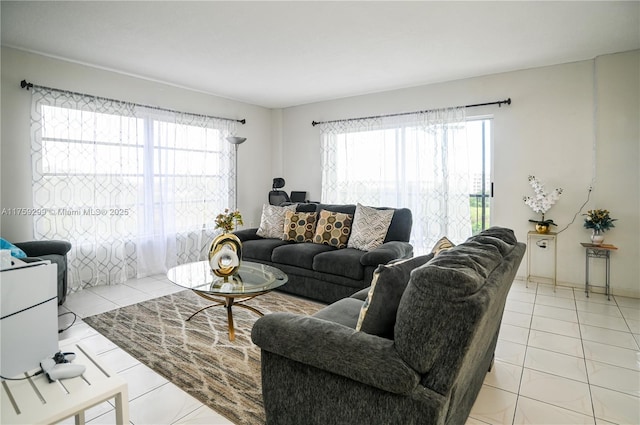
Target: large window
(134, 189)
(436, 165)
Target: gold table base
(228, 302)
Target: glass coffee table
(250, 281)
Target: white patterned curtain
(417, 161)
(134, 189)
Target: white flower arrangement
(542, 201)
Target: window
(479, 134)
(134, 189)
(435, 165)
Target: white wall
(254, 178)
(548, 131)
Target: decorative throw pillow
(299, 226)
(272, 221)
(333, 229)
(442, 245)
(369, 227)
(378, 313)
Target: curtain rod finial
(25, 85)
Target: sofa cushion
(344, 312)
(370, 226)
(308, 207)
(333, 229)
(499, 237)
(361, 294)
(343, 262)
(341, 208)
(400, 227)
(260, 249)
(378, 313)
(298, 254)
(299, 226)
(272, 221)
(451, 293)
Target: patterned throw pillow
(333, 229)
(442, 245)
(299, 226)
(272, 221)
(369, 227)
(378, 313)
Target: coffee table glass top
(251, 278)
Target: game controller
(61, 357)
(59, 367)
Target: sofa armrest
(48, 247)
(335, 348)
(247, 234)
(386, 252)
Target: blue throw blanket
(15, 251)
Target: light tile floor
(152, 399)
(562, 358)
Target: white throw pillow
(272, 221)
(369, 227)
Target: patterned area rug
(197, 356)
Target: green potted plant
(599, 221)
(541, 202)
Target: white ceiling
(280, 54)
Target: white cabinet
(544, 242)
(28, 316)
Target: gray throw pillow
(272, 221)
(378, 313)
(369, 227)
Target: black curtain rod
(499, 103)
(26, 85)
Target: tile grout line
(515, 407)
(586, 370)
(593, 417)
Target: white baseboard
(621, 292)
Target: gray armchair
(427, 368)
(54, 251)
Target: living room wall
(573, 126)
(559, 114)
(254, 177)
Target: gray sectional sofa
(423, 358)
(323, 272)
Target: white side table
(37, 401)
(534, 236)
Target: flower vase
(597, 237)
(542, 228)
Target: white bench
(37, 401)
